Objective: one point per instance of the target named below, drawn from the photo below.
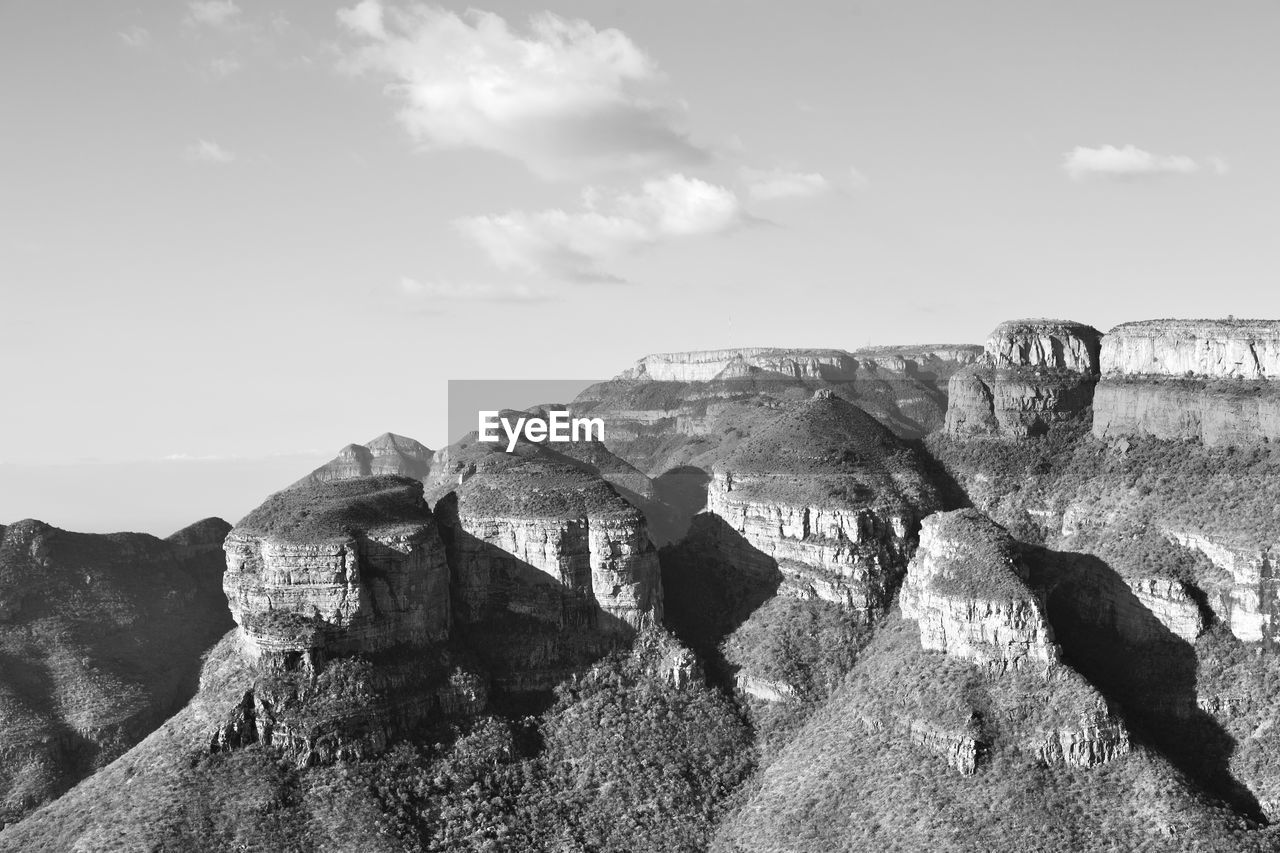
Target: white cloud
(364, 19)
(1127, 162)
(574, 245)
(564, 98)
(135, 36)
(206, 151)
(213, 13)
(766, 185)
(450, 291)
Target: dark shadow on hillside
(65, 755)
(683, 492)
(528, 630)
(1112, 639)
(712, 580)
(951, 493)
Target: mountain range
(940, 597)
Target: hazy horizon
(232, 232)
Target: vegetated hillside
(1182, 637)
(852, 780)
(100, 640)
(534, 480)
(660, 425)
(827, 451)
(319, 511)
(634, 756)
(1030, 486)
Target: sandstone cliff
(966, 588)
(707, 365)
(1213, 349)
(1033, 375)
(1212, 380)
(551, 566)
(329, 584)
(830, 495)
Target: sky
(236, 232)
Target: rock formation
(966, 587)
(829, 494)
(1033, 375)
(1249, 603)
(343, 567)
(1212, 380)
(1210, 349)
(388, 454)
(330, 584)
(551, 566)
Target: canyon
(1031, 581)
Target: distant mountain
(100, 641)
(387, 454)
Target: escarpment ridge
(1209, 380)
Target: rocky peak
(967, 589)
(202, 534)
(337, 568)
(1033, 375)
(831, 495)
(388, 454)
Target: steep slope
(388, 454)
(100, 640)
(341, 594)
(983, 747)
(1158, 573)
(551, 566)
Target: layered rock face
(100, 640)
(966, 588)
(1212, 380)
(331, 585)
(707, 365)
(1060, 344)
(537, 510)
(1250, 604)
(830, 495)
(388, 454)
(551, 566)
(350, 566)
(1213, 349)
(1033, 375)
